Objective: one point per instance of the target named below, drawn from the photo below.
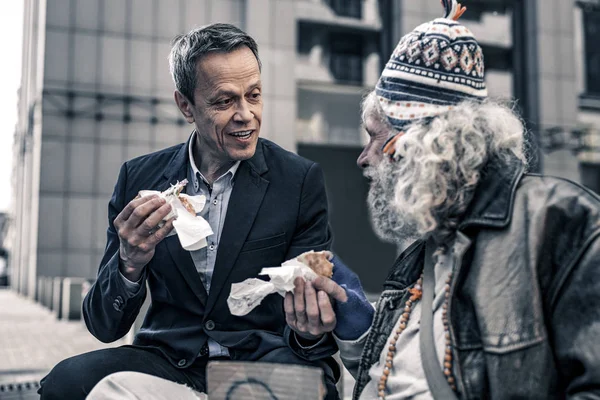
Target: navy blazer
(277, 210)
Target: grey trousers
(137, 386)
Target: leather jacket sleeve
(110, 307)
(575, 323)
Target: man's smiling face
(227, 107)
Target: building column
(548, 78)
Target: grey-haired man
(265, 205)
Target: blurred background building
(96, 91)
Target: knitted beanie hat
(433, 68)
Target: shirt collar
(196, 171)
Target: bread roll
(318, 261)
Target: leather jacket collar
(494, 197)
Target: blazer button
(182, 362)
(118, 303)
(209, 325)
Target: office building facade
(96, 91)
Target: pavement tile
(32, 340)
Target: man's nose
(244, 113)
(362, 160)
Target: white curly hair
(428, 186)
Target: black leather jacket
(525, 299)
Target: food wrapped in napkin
(247, 295)
(191, 229)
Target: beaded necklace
(416, 292)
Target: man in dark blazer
(265, 205)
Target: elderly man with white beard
(499, 295)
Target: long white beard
(390, 225)
(398, 218)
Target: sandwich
(174, 192)
(318, 261)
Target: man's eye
(224, 102)
(255, 96)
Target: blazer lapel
(177, 171)
(248, 192)
(185, 264)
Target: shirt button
(182, 362)
(211, 247)
(215, 202)
(209, 325)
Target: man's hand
(309, 311)
(137, 228)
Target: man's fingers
(327, 315)
(331, 288)
(141, 212)
(312, 306)
(131, 206)
(150, 223)
(161, 233)
(288, 306)
(299, 304)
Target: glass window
(478, 7)
(141, 65)
(497, 58)
(591, 23)
(168, 16)
(112, 63)
(58, 13)
(115, 16)
(346, 57)
(86, 50)
(86, 14)
(346, 8)
(305, 38)
(57, 54)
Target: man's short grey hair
(187, 49)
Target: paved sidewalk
(32, 340)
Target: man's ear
(185, 106)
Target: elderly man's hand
(309, 310)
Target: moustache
(369, 173)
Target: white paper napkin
(192, 230)
(247, 295)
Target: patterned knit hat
(433, 68)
